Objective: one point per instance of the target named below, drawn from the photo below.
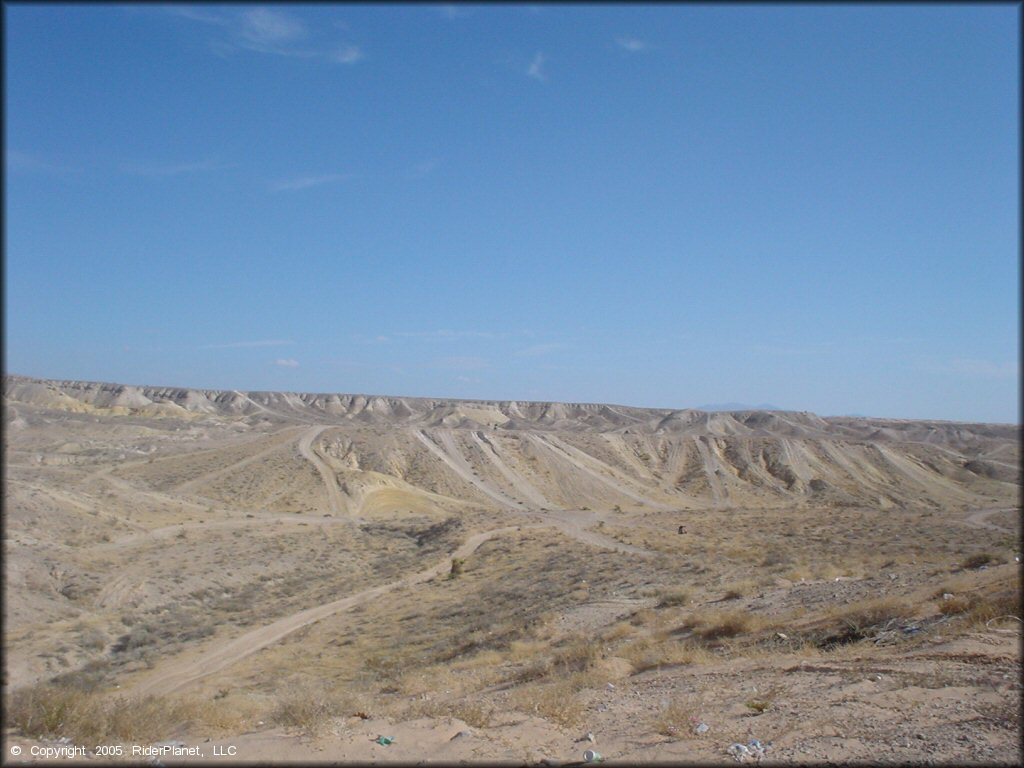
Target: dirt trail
(167, 531)
(575, 524)
(206, 477)
(335, 501)
(978, 518)
(580, 460)
(520, 483)
(454, 460)
(181, 672)
(718, 493)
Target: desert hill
(441, 561)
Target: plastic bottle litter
(739, 751)
(592, 757)
(385, 740)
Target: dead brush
(717, 625)
(53, 711)
(677, 719)
(857, 621)
(308, 707)
(673, 596)
(557, 701)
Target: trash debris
(461, 735)
(755, 750)
(782, 636)
(739, 751)
(611, 687)
(384, 740)
(592, 757)
(590, 737)
(702, 728)
(947, 596)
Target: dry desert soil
(281, 577)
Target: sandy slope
(196, 540)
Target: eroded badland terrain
(284, 577)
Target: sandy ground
(230, 549)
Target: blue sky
(664, 206)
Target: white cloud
(426, 167)
(262, 25)
(631, 44)
(453, 11)
(305, 182)
(542, 349)
(287, 362)
(536, 69)
(462, 363)
(348, 54)
(265, 30)
(447, 335)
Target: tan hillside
(295, 574)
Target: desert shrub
(720, 624)
(977, 560)
(308, 707)
(673, 596)
(676, 719)
(558, 701)
(578, 655)
(955, 605)
(50, 711)
(860, 620)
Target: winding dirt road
(218, 656)
(334, 500)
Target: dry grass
(677, 719)
(558, 701)
(309, 706)
(53, 711)
(715, 625)
(673, 596)
(738, 589)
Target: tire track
(206, 477)
(459, 466)
(520, 483)
(336, 504)
(578, 459)
(180, 673)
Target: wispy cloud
(453, 11)
(347, 54)
(542, 349)
(287, 362)
(631, 44)
(265, 27)
(305, 182)
(447, 335)
(171, 168)
(425, 168)
(241, 344)
(267, 30)
(792, 349)
(462, 363)
(380, 338)
(536, 69)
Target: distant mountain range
(738, 407)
